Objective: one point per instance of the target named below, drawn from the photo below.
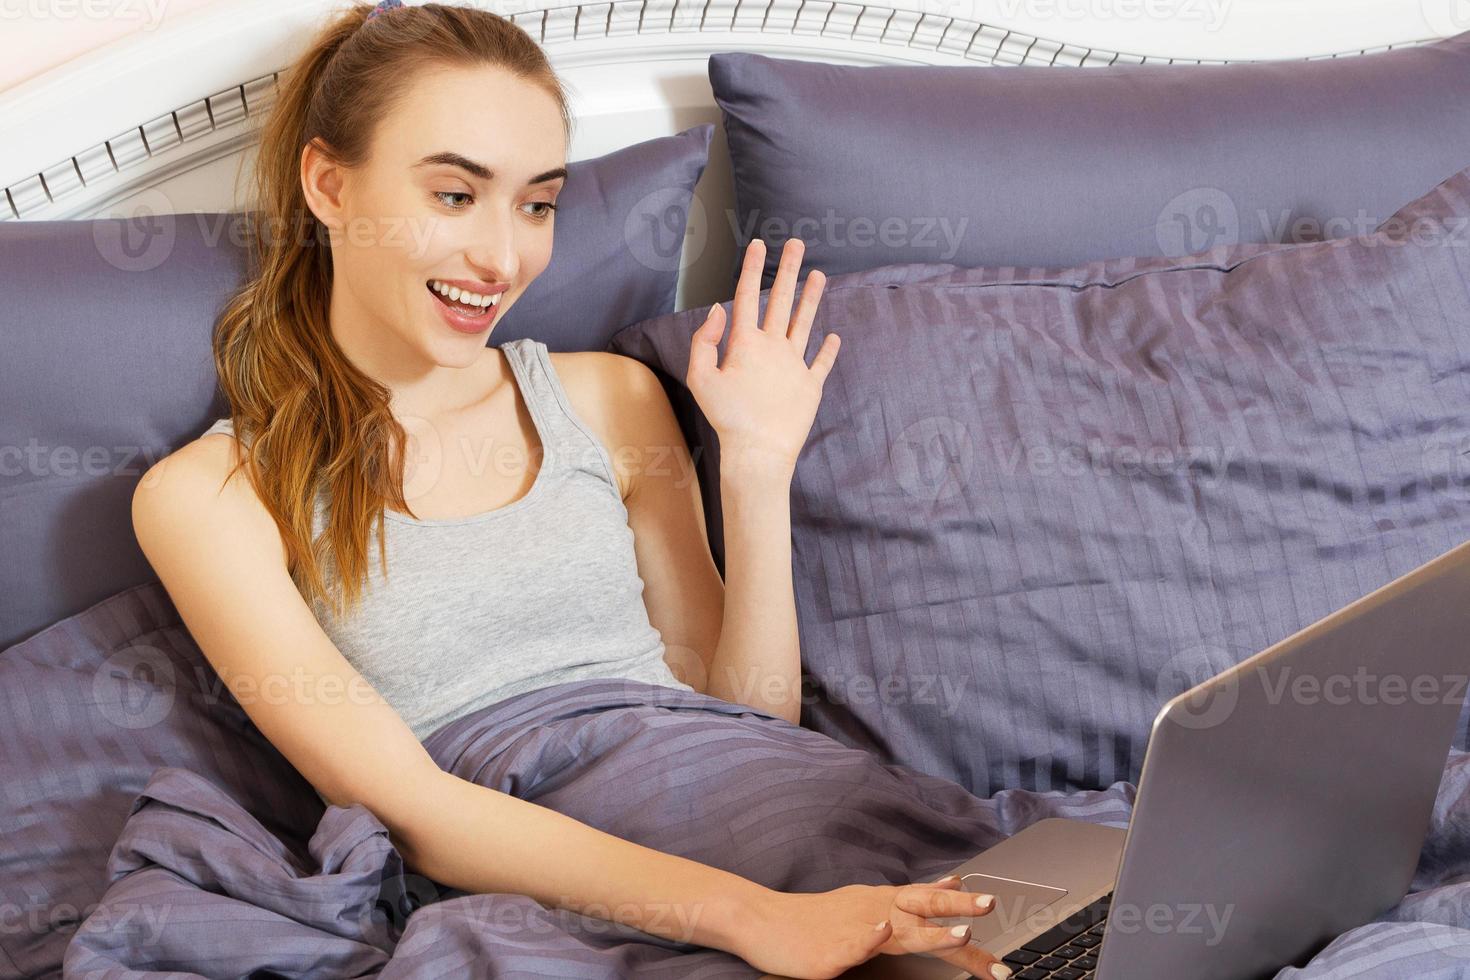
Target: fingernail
(1000, 971)
(959, 930)
(879, 926)
(946, 879)
(984, 901)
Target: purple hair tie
(382, 6)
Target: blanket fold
(197, 887)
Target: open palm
(762, 400)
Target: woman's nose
(494, 254)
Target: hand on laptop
(822, 934)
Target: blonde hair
(309, 421)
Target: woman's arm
(735, 640)
(562, 862)
(219, 554)
(758, 658)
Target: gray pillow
(1036, 505)
(107, 364)
(1030, 165)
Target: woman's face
(455, 191)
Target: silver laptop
(1281, 803)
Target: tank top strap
(569, 441)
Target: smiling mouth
(465, 309)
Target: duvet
(196, 886)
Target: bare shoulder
(197, 484)
(615, 395)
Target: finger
(806, 309)
(977, 961)
(826, 356)
(778, 303)
(704, 344)
(867, 944)
(927, 939)
(748, 289)
(881, 935)
(930, 902)
(948, 881)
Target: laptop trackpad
(1014, 901)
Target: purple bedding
(198, 887)
(1036, 503)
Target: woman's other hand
(762, 400)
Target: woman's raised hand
(821, 934)
(762, 400)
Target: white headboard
(158, 122)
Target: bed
(152, 829)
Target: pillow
(108, 368)
(1031, 165)
(619, 234)
(1034, 506)
(89, 708)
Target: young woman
(407, 182)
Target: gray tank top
(538, 592)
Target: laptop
(1281, 803)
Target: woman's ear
(322, 180)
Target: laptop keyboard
(1066, 951)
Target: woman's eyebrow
(450, 158)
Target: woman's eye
(441, 195)
(542, 215)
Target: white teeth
(463, 296)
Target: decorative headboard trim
(582, 35)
